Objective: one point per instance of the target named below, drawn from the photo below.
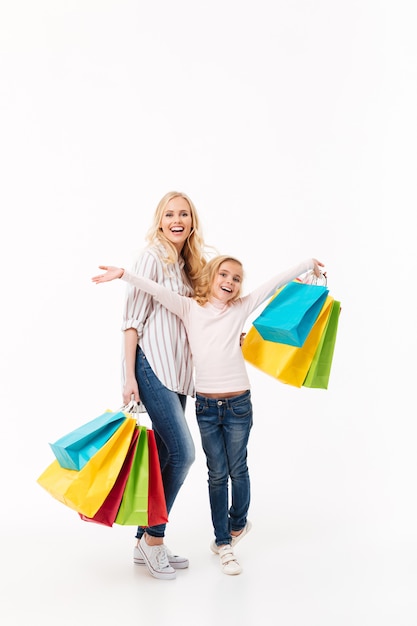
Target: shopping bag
(108, 511)
(319, 371)
(157, 509)
(143, 502)
(77, 447)
(290, 314)
(133, 508)
(85, 490)
(288, 364)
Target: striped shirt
(161, 334)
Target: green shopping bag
(319, 370)
(133, 510)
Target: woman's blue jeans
(225, 425)
(166, 410)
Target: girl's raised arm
(110, 274)
(171, 300)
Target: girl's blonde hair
(193, 251)
(207, 276)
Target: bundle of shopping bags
(108, 471)
(294, 337)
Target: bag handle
(310, 278)
(134, 408)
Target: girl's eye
(236, 279)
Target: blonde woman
(158, 369)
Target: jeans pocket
(242, 408)
(199, 408)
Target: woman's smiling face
(176, 221)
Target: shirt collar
(164, 255)
(217, 304)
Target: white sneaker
(228, 561)
(156, 560)
(177, 562)
(235, 539)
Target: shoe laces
(161, 556)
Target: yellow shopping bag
(85, 490)
(288, 364)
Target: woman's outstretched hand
(110, 274)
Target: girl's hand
(316, 268)
(110, 274)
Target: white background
(293, 127)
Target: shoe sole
(235, 572)
(156, 573)
(174, 564)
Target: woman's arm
(130, 386)
(137, 308)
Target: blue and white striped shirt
(161, 334)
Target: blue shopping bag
(290, 315)
(75, 449)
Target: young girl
(214, 319)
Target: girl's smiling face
(176, 222)
(227, 283)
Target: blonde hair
(193, 251)
(207, 275)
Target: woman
(158, 368)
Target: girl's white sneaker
(228, 561)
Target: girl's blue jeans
(225, 425)
(166, 410)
